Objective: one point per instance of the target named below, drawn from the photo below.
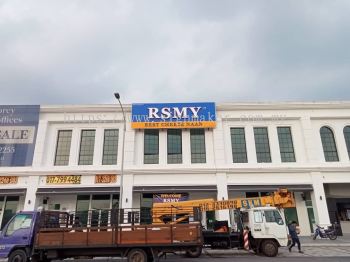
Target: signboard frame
(173, 115)
(18, 131)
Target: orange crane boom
(281, 199)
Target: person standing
(293, 232)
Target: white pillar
(303, 216)
(30, 199)
(163, 147)
(221, 181)
(218, 141)
(311, 140)
(186, 147)
(319, 200)
(98, 147)
(274, 144)
(250, 141)
(40, 143)
(75, 147)
(128, 183)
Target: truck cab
(268, 229)
(16, 238)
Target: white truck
(260, 217)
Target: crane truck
(261, 216)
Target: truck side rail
(111, 228)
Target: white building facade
(254, 149)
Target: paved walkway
(314, 251)
(340, 241)
(311, 248)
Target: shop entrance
(338, 202)
(145, 196)
(99, 204)
(8, 208)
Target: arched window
(347, 138)
(328, 143)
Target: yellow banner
(105, 179)
(74, 179)
(5, 180)
(160, 125)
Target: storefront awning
(269, 188)
(77, 190)
(173, 189)
(13, 192)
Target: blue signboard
(174, 115)
(18, 129)
(170, 198)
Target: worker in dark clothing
(293, 232)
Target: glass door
(290, 215)
(310, 210)
(100, 205)
(145, 208)
(83, 204)
(10, 209)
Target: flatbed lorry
(47, 235)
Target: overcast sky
(63, 52)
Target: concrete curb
(325, 245)
(240, 252)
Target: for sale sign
(18, 129)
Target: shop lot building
(250, 150)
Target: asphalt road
(258, 259)
(234, 258)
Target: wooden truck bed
(119, 236)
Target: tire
(137, 255)
(36, 258)
(332, 236)
(269, 248)
(314, 237)
(194, 252)
(18, 256)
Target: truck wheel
(269, 248)
(18, 256)
(194, 252)
(137, 255)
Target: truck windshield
(18, 222)
(273, 216)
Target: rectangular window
(258, 218)
(87, 145)
(273, 216)
(286, 144)
(262, 145)
(174, 146)
(151, 146)
(238, 144)
(251, 194)
(198, 154)
(10, 209)
(82, 209)
(64, 140)
(21, 221)
(110, 147)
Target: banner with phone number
(18, 129)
